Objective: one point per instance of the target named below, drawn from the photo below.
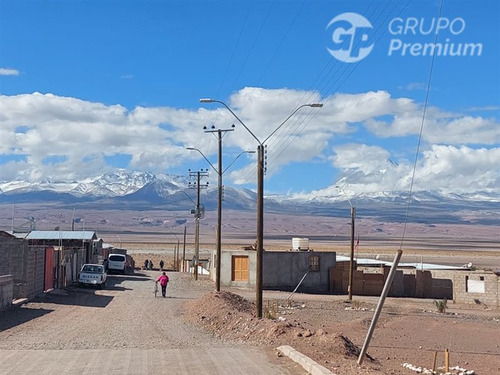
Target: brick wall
(477, 287)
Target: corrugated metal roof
(364, 261)
(431, 266)
(16, 234)
(61, 235)
(418, 266)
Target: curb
(307, 363)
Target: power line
(424, 112)
(309, 116)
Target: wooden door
(240, 268)
(49, 268)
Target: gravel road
(124, 318)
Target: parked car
(117, 263)
(92, 274)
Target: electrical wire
(297, 129)
(299, 123)
(424, 112)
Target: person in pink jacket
(163, 280)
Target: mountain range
(142, 190)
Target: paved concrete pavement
(137, 362)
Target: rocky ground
(330, 330)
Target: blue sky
(88, 86)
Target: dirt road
(122, 329)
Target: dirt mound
(231, 317)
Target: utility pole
(351, 259)
(184, 251)
(260, 229)
(260, 193)
(198, 214)
(220, 133)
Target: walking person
(146, 264)
(161, 264)
(163, 280)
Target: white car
(92, 274)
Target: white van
(117, 263)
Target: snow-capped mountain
(114, 184)
(142, 190)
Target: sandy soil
(330, 330)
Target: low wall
(369, 281)
(6, 290)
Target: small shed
(282, 270)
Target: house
(282, 270)
(42, 260)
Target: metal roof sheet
(61, 235)
(418, 265)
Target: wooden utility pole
(184, 252)
(198, 213)
(351, 259)
(260, 230)
(220, 133)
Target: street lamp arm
(234, 114)
(288, 118)
(244, 152)
(208, 161)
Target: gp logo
(351, 37)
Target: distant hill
(140, 190)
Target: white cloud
(412, 86)
(442, 168)
(8, 72)
(84, 133)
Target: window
(474, 286)
(314, 263)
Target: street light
(219, 172)
(351, 258)
(260, 194)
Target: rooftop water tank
(300, 243)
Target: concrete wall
(6, 290)
(226, 264)
(463, 293)
(33, 280)
(14, 258)
(283, 270)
